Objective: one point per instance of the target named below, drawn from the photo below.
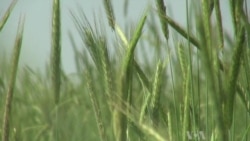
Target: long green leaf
(120, 119)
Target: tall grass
(192, 84)
(12, 81)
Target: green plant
(190, 84)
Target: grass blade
(140, 72)
(133, 43)
(120, 119)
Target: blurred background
(37, 32)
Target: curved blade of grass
(120, 119)
(140, 72)
(129, 55)
(7, 14)
(132, 44)
(14, 67)
(56, 50)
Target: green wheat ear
(96, 107)
(182, 56)
(157, 84)
(110, 13)
(14, 67)
(162, 13)
(186, 117)
(56, 50)
(7, 14)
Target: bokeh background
(37, 32)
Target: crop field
(154, 80)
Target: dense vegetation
(154, 81)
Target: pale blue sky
(37, 35)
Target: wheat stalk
(233, 76)
(180, 30)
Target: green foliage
(190, 90)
